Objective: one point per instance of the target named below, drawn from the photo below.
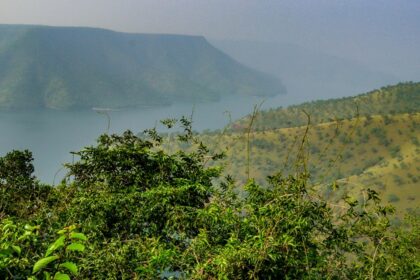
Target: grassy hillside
(63, 67)
(401, 98)
(378, 152)
(379, 149)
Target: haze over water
(51, 135)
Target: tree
(20, 192)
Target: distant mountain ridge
(68, 67)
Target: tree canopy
(128, 209)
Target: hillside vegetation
(130, 210)
(370, 140)
(378, 152)
(69, 67)
(401, 98)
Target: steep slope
(65, 67)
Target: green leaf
(70, 266)
(56, 245)
(47, 275)
(17, 249)
(8, 225)
(6, 252)
(30, 228)
(43, 263)
(76, 247)
(62, 231)
(61, 276)
(78, 235)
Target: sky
(385, 33)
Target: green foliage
(131, 173)
(151, 214)
(20, 192)
(39, 265)
(21, 245)
(65, 249)
(288, 234)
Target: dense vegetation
(63, 67)
(131, 210)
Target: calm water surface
(51, 135)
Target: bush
(393, 198)
(395, 151)
(20, 192)
(149, 214)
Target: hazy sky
(371, 30)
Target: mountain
(308, 74)
(70, 67)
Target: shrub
(395, 151)
(393, 198)
(20, 193)
(150, 214)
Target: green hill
(396, 99)
(379, 149)
(67, 67)
(379, 152)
